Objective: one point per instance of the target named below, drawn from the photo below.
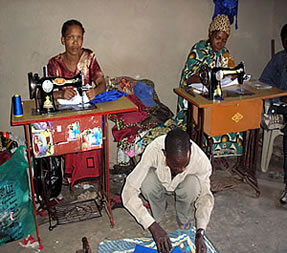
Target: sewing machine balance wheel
(204, 74)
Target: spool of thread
(18, 109)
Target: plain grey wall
(146, 38)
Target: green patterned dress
(201, 53)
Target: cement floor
(240, 222)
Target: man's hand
(161, 238)
(199, 242)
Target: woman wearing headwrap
(213, 53)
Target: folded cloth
(76, 100)
(107, 96)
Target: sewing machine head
(212, 77)
(41, 89)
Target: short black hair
(283, 31)
(69, 23)
(177, 143)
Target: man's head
(283, 35)
(177, 150)
(219, 30)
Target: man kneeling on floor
(172, 163)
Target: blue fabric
(107, 96)
(227, 7)
(179, 237)
(145, 94)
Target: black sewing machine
(212, 77)
(279, 108)
(41, 89)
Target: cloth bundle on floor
(180, 238)
(16, 209)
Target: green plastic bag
(16, 207)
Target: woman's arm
(194, 79)
(96, 76)
(196, 57)
(100, 87)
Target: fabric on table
(107, 96)
(179, 238)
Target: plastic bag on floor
(16, 208)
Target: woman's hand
(64, 94)
(161, 238)
(69, 93)
(91, 93)
(194, 79)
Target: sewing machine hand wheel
(204, 74)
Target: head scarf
(220, 23)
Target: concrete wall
(145, 38)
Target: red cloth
(83, 166)
(128, 124)
(4, 157)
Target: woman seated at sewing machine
(76, 59)
(211, 52)
(67, 65)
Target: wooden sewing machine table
(96, 118)
(233, 114)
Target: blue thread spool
(18, 109)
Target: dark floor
(241, 222)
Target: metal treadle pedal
(74, 211)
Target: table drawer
(235, 117)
